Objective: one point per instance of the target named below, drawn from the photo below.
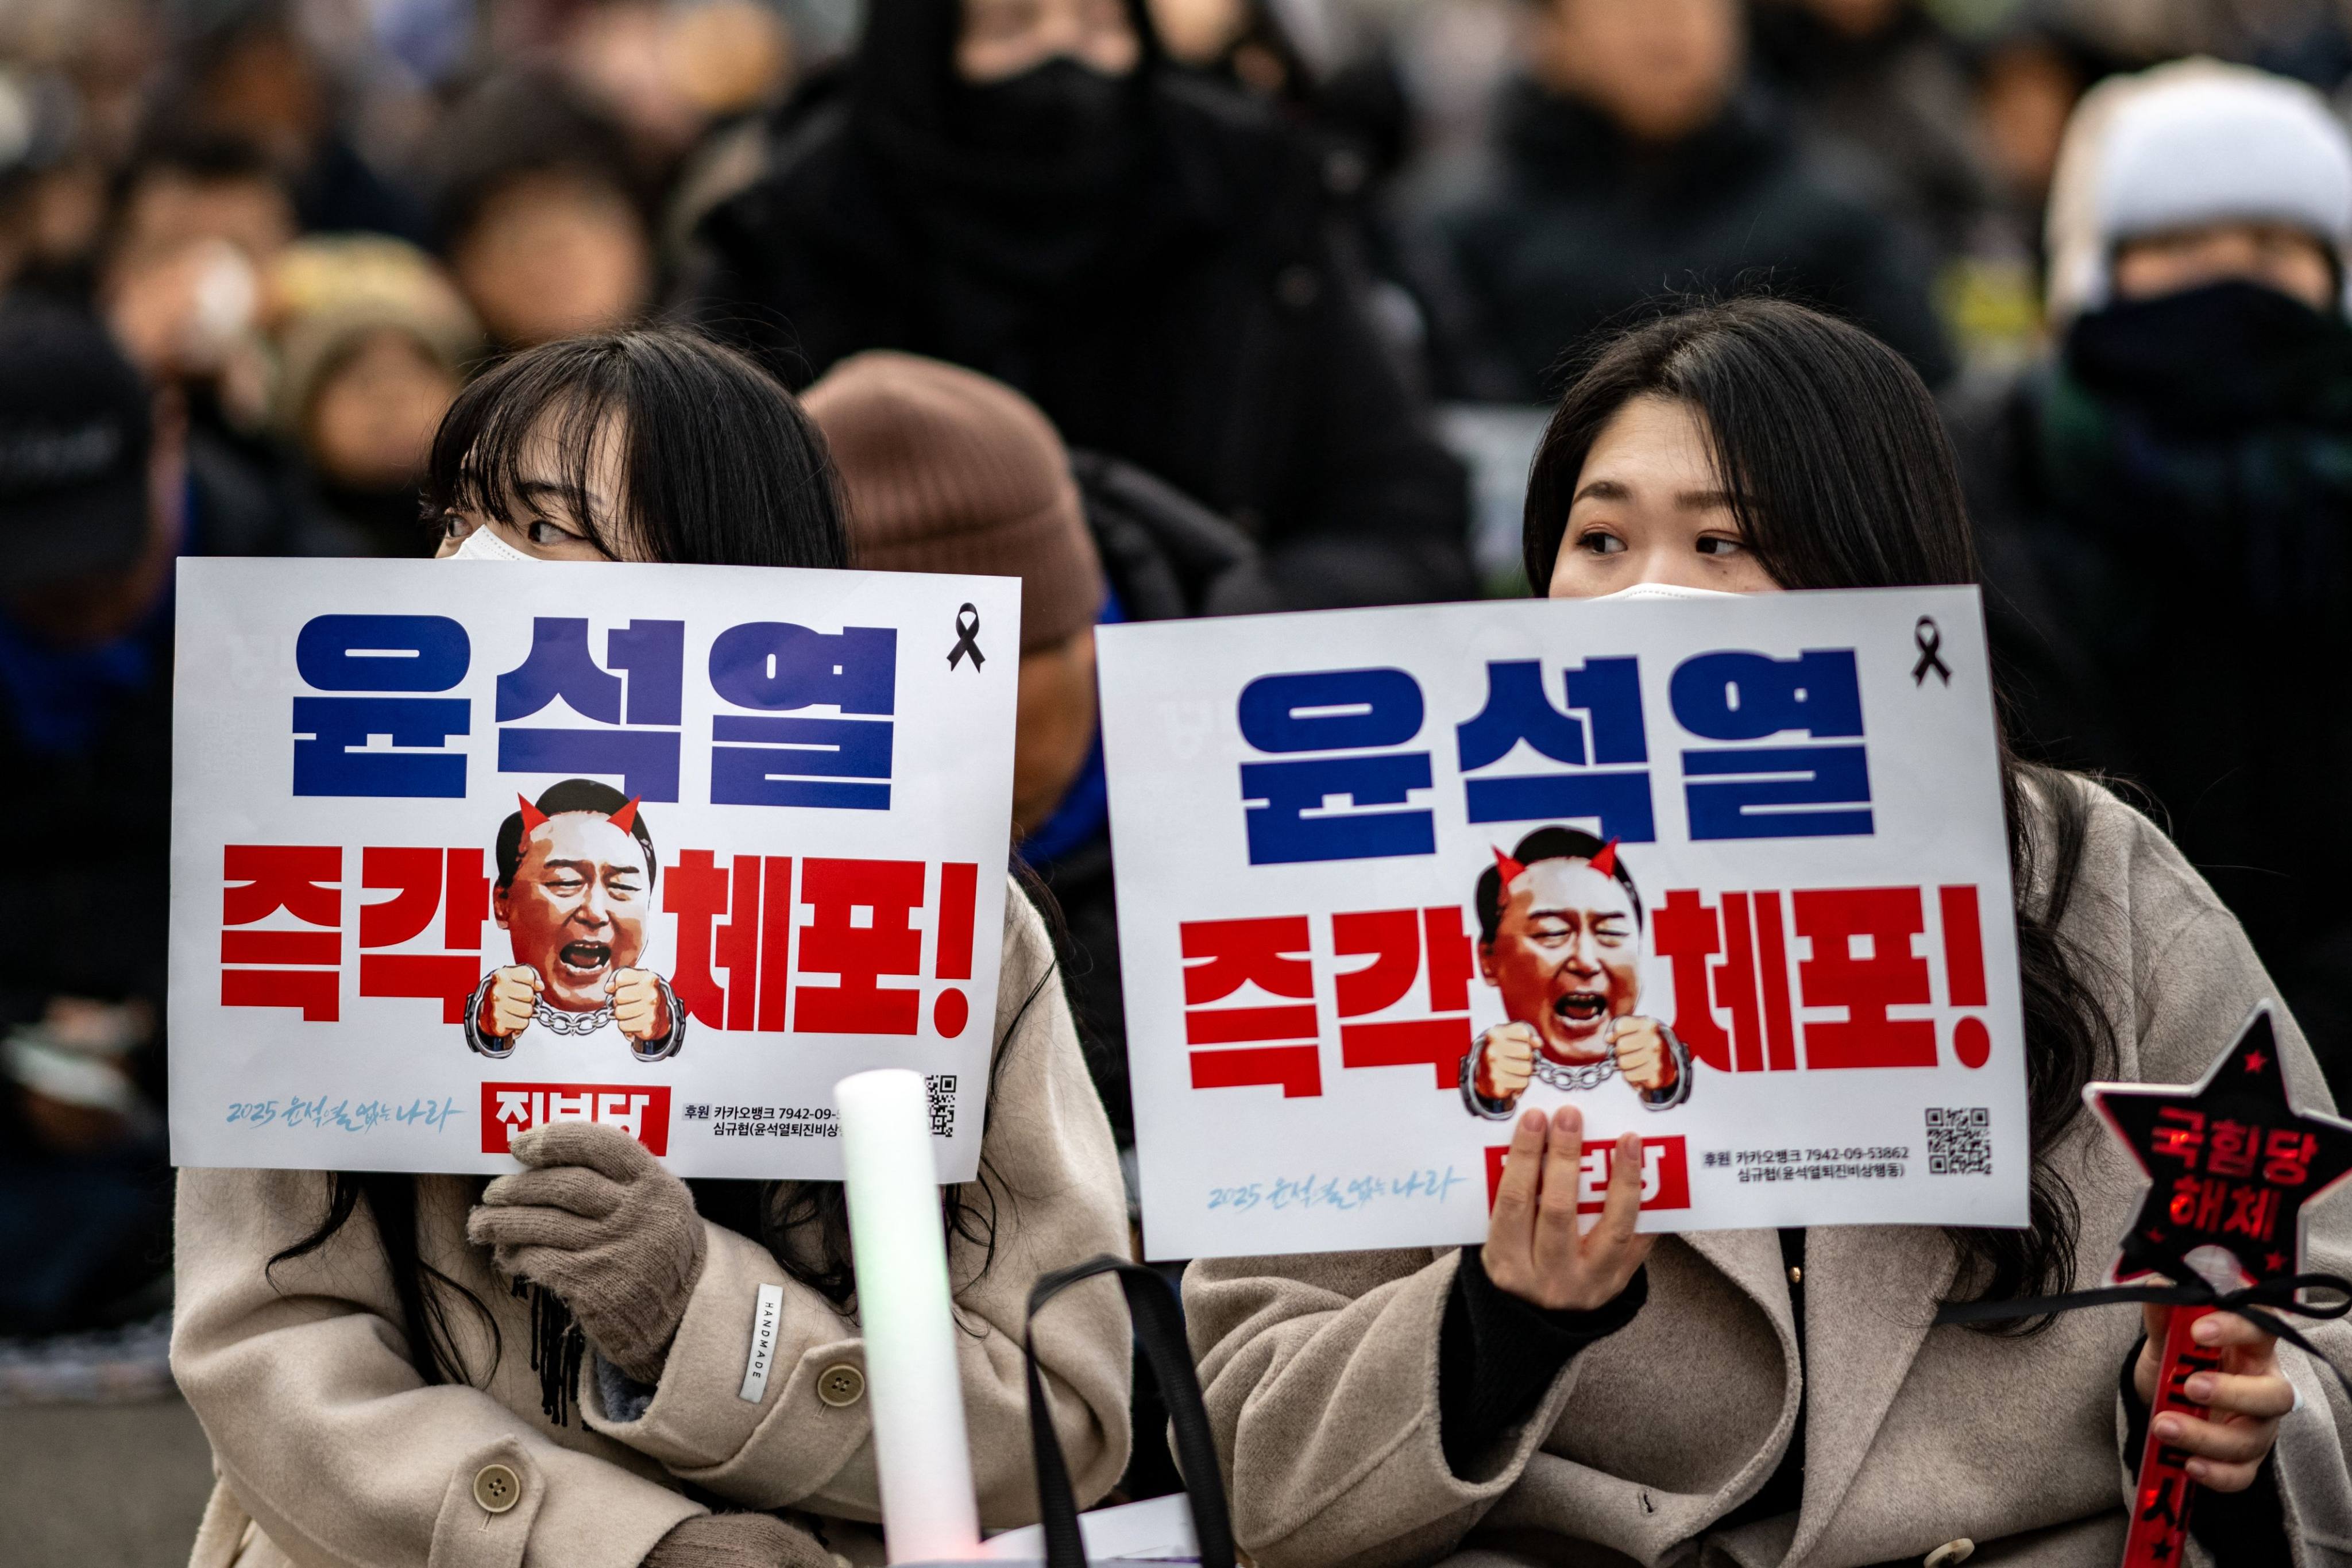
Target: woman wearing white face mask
(1551, 1396)
(420, 1370)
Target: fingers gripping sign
(640, 1008)
(1534, 1249)
(509, 1000)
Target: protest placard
(1730, 873)
(460, 848)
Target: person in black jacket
(1027, 191)
(102, 488)
(1630, 160)
(2164, 506)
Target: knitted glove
(598, 1222)
(737, 1540)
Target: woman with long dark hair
(554, 1369)
(1623, 1397)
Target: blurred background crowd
(1290, 282)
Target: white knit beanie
(2186, 144)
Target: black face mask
(2232, 354)
(1059, 110)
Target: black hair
(572, 795)
(515, 124)
(1841, 476)
(201, 157)
(1837, 464)
(718, 464)
(1546, 844)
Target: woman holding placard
(592, 1362)
(1549, 1396)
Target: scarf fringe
(557, 1349)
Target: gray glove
(737, 1540)
(596, 1220)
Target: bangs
(710, 460)
(527, 429)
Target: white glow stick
(920, 1451)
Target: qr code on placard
(943, 1086)
(1959, 1141)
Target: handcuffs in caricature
(1572, 1080)
(573, 1024)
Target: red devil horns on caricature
(533, 819)
(1606, 861)
(1507, 868)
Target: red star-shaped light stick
(2231, 1163)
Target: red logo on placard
(510, 1109)
(1665, 1175)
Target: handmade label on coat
(1731, 874)
(767, 1318)
(463, 847)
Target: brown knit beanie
(946, 470)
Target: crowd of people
(1177, 307)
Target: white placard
(1803, 939)
(777, 857)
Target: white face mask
(1649, 591)
(485, 543)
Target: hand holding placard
(1535, 1249)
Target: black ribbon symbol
(967, 638)
(1929, 639)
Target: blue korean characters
(385, 677)
(1772, 748)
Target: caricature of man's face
(1566, 956)
(576, 910)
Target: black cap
(74, 435)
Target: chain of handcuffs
(1590, 1076)
(571, 1024)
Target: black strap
(2259, 1303)
(1160, 1330)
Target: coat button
(1797, 1276)
(1952, 1553)
(840, 1384)
(497, 1488)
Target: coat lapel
(1871, 1293)
(1751, 1260)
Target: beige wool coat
(331, 1451)
(1322, 1371)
